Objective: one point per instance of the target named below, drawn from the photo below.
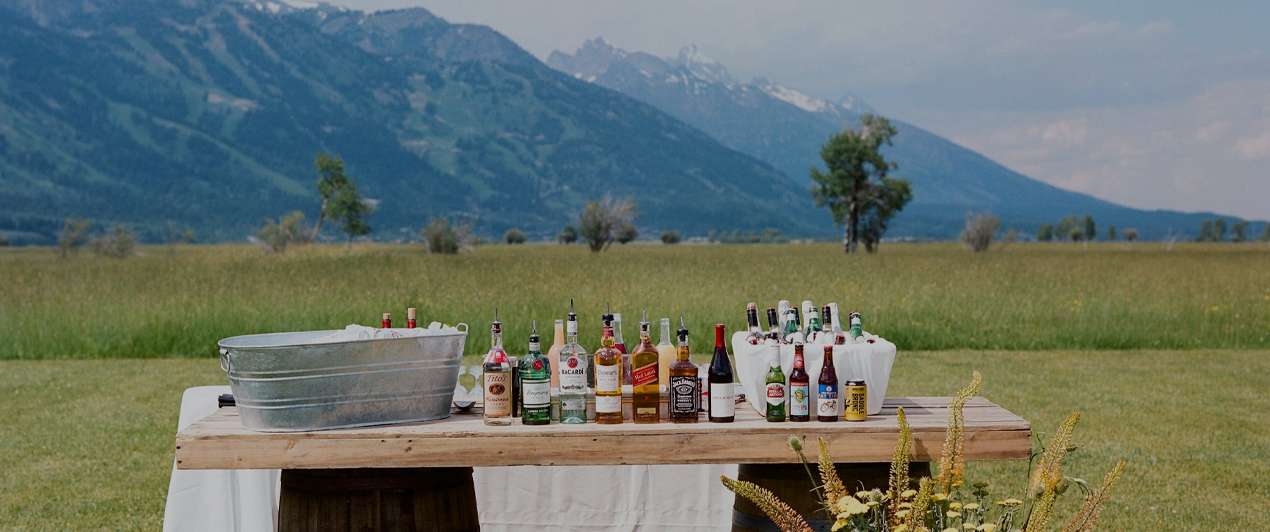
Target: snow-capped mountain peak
(703, 66)
(795, 98)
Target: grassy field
(1194, 425)
(179, 301)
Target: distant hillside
(786, 128)
(208, 114)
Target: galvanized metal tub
(288, 382)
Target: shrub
(118, 243)
(670, 237)
(1130, 234)
(287, 230)
(568, 235)
(626, 234)
(1045, 233)
(980, 230)
(600, 222)
(4, 241)
(1111, 232)
(441, 237)
(73, 236)
(1239, 231)
(514, 236)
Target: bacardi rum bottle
(553, 354)
(827, 389)
(645, 393)
(776, 395)
(685, 387)
(665, 354)
(755, 335)
(799, 388)
(496, 377)
(608, 380)
(410, 318)
(722, 387)
(535, 383)
(573, 374)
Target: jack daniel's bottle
(685, 387)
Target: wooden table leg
(791, 484)
(438, 498)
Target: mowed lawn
(88, 443)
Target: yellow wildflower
(939, 497)
(900, 528)
(971, 506)
(902, 513)
(862, 495)
(954, 506)
(953, 515)
(950, 529)
(969, 526)
(908, 494)
(780, 513)
(1010, 502)
(952, 460)
(988, 527)
(850, 505)
(905, 505)
(871, 504)
(839, 524)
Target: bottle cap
(410, 313)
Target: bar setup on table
(369, 419)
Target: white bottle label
(722, 399)
(607, 378)
(776, 394)
(827, 400)
(536, 394)
(572, 376)
(799, 398)
(608, 404)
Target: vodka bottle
(496, 377)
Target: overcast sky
(1154, 104)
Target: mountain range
(785, 127)
(208, 114)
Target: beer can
(855, 401)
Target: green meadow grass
(88, 443)
(179, 301)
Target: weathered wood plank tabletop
(463, 440)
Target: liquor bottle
(804, 312)
(773, 327)
(782, 310)
(496, 376)
(857, 329)
(814, 328)
(645, 394)
(827, 390)
(755, 335)
(386, 321)
(665, 354)
(722, 387)
(535, 385)
(685, 387)
(516, 391)
(608, 380)
(553, 354)
(620, 346)
(775, 392)
(410, 318)
(831, 323)
(793, 333)
(799, 388)
(573, 374)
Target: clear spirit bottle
(553, 354)
(573, 374)
(535, 384)
(496, 377)
(645, 363)
(665, 354)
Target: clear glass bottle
(645, 363)
(608, 380)
(685, 386)
(535, 383)
(496, 377)
(665, 354)
(574, 360)
(620, 345)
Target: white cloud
(1254, 148)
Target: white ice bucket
(870, 362)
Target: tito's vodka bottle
(608, 380)
(573, 373)
(722, 387)
(645, 394)
(685, 387)
(535, 385)
(497, 378)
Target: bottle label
(607, 378)
(684, 396)
(498, 394)
(608, 404)
(775, 394)
(644, 375)
(722, 399)
(573, 404)
(572, 376)
(536, 394)
(827, 400)
(800, 399)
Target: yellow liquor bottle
(665, 355)
(645, 363)
(608, 380)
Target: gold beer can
(855, 401)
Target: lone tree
(980, 230)
(857, 186)
(340, 200)
(601, 222)
(568, 235)
(1091, 230)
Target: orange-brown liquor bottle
(645, 390)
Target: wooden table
(396, 454)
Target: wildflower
(969, 526)
(971, 506)
(905, 505)
(1010, 503)
(840, 524)
(871, 504)
(954, 506)
(900, 528)
(850, 506)
(908, 494)
(980, 484)
(939, 497)
(898, 479)
(953, 515)
(1049, 469)
(988, 527)
(834, 489)
(1086, 519)
(795, 443)
(952, 460)
(780, 513)
(950, 529)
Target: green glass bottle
(857, 330)
(535, 375)
(775, 393)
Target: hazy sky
(1155, 104)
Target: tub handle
(224, 360)
(464, 327)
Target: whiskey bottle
(722, 387)
(775, 392)
(827, 389)
(645, 394)
(496, 377)
(685, 387)
(755, 335)
(608, 380)
(799, 388)
(410, 318)
(553, 354)
(535, 375)
(573, 374)
(665, 354)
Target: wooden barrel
(438, 498)
(791, 483)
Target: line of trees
(1215, 231)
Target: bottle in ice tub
(857, 328)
